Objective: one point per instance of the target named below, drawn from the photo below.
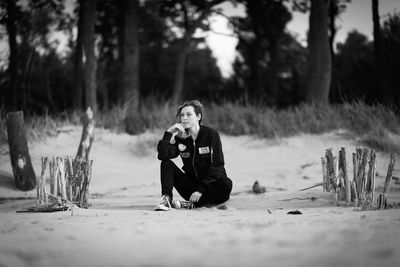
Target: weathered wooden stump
(24, 174)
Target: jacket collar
(198, 134)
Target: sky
(357, 16)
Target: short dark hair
(197, 106)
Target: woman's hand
(195, 197)
(177, 127)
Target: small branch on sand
(297, 198)
(316, 185)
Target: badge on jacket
(204, 150)
(181, 147)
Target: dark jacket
(202, 158)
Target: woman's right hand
(177, 127)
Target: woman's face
(188, 117)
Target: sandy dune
(121, 229)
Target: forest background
(133, 61)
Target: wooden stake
(51, 177)
(346, 177)
(389, 173)
(371, 176)
(324, 174)
(354, 196)
(42, 198)
(331, 165)
(361, 174)
(355, 167)
(63, 185)
(382, 200)
(68, 177)
(367, 202)
(344, 172)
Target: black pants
(172, 176)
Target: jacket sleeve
(216, 169)
(165, 149)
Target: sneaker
(165, 203)
(183, 204)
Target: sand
(121, 228)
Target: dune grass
(376, 126)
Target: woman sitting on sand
(203, 179)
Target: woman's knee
(224, 190)
(228, 185)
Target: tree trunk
(49, 93)
(87, 136)
(377, 34)
(88, 39)
(77, 95)
(274, 79)
(319, 57)
(333, 14)
(180, 69)
(13, 58)
(379, 55)
(255, 86)
(130, 56)
(24, 174)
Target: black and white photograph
(204, 133)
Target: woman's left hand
(195, 197)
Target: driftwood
(382, 200)
(344, 172)
(360, 190)
(87, 135)
(69, 185)
(370, 182)
(324, 175)
(24, 174)
(331, 166)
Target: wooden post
(382, 201)
(24, 174)
(324, 174)
(354, 194)
(361, 179)
(63, 184)
(355, 167)
(87, 135)
(53, 178)
(371, 176)
(331, 166)
(41, 191)
(346, 180)
(57, 177)
(68, 177)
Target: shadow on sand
(7, 181)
